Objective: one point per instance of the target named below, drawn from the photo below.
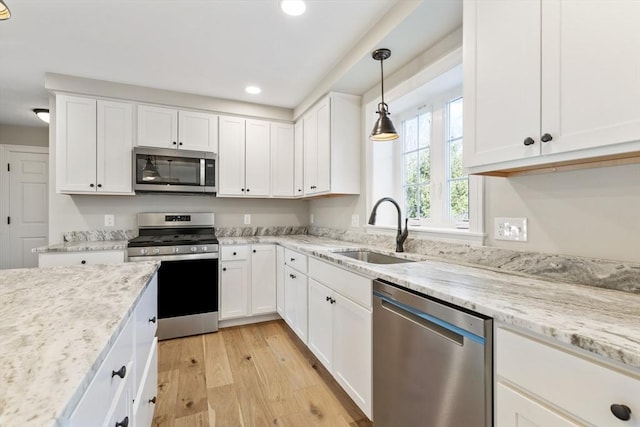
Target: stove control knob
(204, 249)
(194, 249)
(156, 251)
(143, 251)
(176, 250)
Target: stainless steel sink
(374, 257)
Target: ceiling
(210, 47)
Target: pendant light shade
(42, 114)
(5, 13)
(383, 129)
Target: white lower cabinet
(280, 280)
(54, 259)
(120, 387)
(340, 322)
(295, 301)
(541, 384)
(247, 281)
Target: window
(435, 190)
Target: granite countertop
(56, 327)
(79, 246)
(601, 321)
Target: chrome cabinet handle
(120, 372)
(528, 141)
(546, 137)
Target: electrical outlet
(247, 219)
(311, 219)
(355, 220)
(109, 221)
(510, 229)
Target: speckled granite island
(56, 327)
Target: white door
(300, 305)
(258, 159)
(298, 179)
(282, 159)
(323, 183)
(321, 322)
(198, 131)
(590, 73)
(310, 131)
(157, 127)
(263, 279)
(231, 156)
(24, 205)
(280, 280)
(114, 144)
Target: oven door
(187, 295)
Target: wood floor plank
(200, 419)
(216, 362)
(224, 408)
(192, 390)
(165, 409)
(169, 354)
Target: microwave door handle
(202, 172)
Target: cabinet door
(298, 167)
(321, 322)
(590, 73)
(517, 410)
(280, 281)
(501, 80)
(282, 159)
(310, 153)
(352, 351)
(296, 302)
(76, 144)
(258, 158)
(263, 279)
(198, 131)
(323, 114)
(53, 259)
(231, 156)
(114, 143)
(289, 296)
(157, 127)
(147, 397)
(234, 286)
(146, 315)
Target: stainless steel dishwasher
(432, 362)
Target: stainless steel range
(186, 244)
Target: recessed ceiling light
(293, 7)
(253, 90)
(42, 113)
(5, 13)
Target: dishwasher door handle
(426, 321)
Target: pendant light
(5, 13)
(42, 114)
(383, 129)
(150, 171)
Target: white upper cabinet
(170, 128)
(298, 153)
(282, 160)
(244, 158)
(93, 146)
(550, 81)
(331, 138)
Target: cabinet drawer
(146, 326)
(99, 397)
(80, 258)
(581, 387)
(295, 260)
(351, 285)
(235, 252)
(146, 398)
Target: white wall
(24, 135)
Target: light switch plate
(247, 219)
(514, 229)
(109, 221)
(311, 218)
(355, 220)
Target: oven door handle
(185, 257)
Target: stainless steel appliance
(188, 276)
(432, 362)
(174, 171)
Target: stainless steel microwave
(174, 170)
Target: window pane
(425, 201)
(455, 119)
(411, 201)
(410, 134)
(411, 168)
(455, 159)
(424, 127)
(459, 192)
(425, 165)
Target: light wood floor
(254, 375)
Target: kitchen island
(57, 326)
